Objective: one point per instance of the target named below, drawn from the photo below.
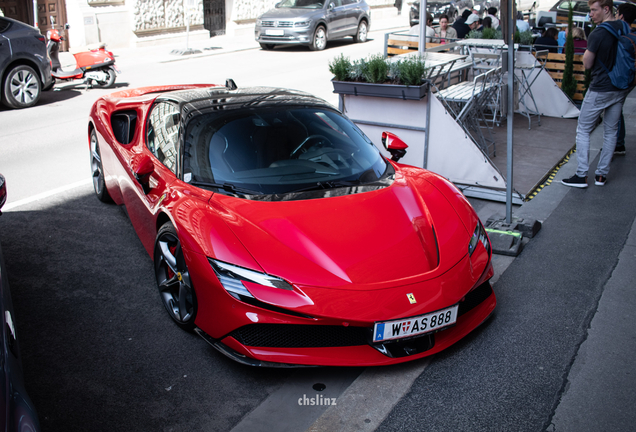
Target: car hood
(282, 13)
(397, 235)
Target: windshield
(279, 150)
(305, 4)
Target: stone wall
(164, 14)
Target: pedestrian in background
(460, 25)
(398, 5)
(444, 30)
(601, 97)
(522, 25)
(548, 40)
(627, 13)
(492, 13)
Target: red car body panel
(351, 259)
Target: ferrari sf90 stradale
(282, 235)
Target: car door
(160, 147)
(336, 17)
(352, 11)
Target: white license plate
(396, 329)
(275, 32)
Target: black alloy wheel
(22, 87)
(173, 278)
(99, 184)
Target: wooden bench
(555, 66)
(398, 44)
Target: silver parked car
(313, 23)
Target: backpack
(623, 74)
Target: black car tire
(362, 33)
(50, 86)
(22, 87)
(267, 47)
(112, 75)
(97, 168)
(173, 278)
(319, 39)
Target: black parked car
(435, 8)
(16, 410)
(25, 69)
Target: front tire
(362, 33)
(319, 40)
(110, 81)
(22, 88)
(267, 47)
(97, 168)
(173, 278)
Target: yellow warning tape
(550, 176)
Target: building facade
(138, 23)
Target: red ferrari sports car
(282, 235)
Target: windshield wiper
(327, 185)
(227, 187)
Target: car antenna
(230, 84)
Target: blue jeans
(595, 103)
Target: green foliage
(411, 70)
(358, 70)
(487, 33)
(473, 34)
(568, 83)
(377, 69)
(340, 67)
(525, 37)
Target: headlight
(302, 24)
(259, 22)
(478, 236)
(232, 278)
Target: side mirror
(331, 6)
(142, 168)
(67, 26)
(3, 191)
(394, 145)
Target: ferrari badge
(411, 298)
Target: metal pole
(35, 14)
(421, 47)
(429, 95)
(511, 101)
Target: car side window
(162, 133)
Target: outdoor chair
(468, 101)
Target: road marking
(371, 397)
(45, 195)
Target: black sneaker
(575, 181)
(599, 180)
(619, 150)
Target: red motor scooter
(94, 65)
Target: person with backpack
(611, 82)
(627, 13)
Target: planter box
(393, 91)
